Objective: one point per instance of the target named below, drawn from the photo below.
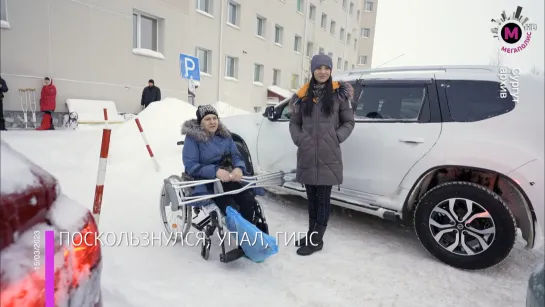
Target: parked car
(535, 295)
(31, 203)
(453, 149)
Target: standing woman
(48, 102)
(322, 118)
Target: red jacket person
(48, 102)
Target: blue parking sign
(189, 67)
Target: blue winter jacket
(202, 154)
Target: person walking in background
(322, 118)
(48, 103)
(150, 94)
(3, 89)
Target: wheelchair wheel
(176, 219)
(260, 219)
(205, 249)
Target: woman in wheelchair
(210, 152)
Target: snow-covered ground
(365, 262)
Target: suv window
(470, 100)
(397, 102)
(286, 114)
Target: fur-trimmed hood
(192, 128)
(342, 92)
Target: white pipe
(301, 78)
(345, 37)
(220, 52)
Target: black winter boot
(315, 242)
(304, 240)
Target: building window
(307, 79)
(368, 6)
(233, 17)
(365, 32)
(330, 54)
(353, 66)
(260, 31)
(339, 63)
(351, 8)
(362, 60)
(294, 81)
(297, 44)
(278, 34)
(204, 6)
(345, 5)
(323, 24)
(321, 51)
(358, 16)
(345, 65)
(276, 76)
(355, 44)
(310, 49)
(258, 73)
(205, 60)
(312, 12)
(300, 5)
(332, 27)
(145, 32)
(348, 38)
(342, 34)
(4, 10)
(231, 67)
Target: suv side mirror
(269, 113)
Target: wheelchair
(176, 199)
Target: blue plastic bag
(257, 245)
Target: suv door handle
(412, 140)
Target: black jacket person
(150, 94)
(3, 89)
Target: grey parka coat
(318, 137)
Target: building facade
(109, 49)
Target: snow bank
(92, 111)
(224, 109)
(162, 122)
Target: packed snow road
(365, 262)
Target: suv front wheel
(465, 225)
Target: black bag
(226, 162)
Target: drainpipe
(303, 57)
(220, 52)
(346, 35)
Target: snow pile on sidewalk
(161, 122)
(224, 109)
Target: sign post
(190, 70)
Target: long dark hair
(327, 98)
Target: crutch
(32, 103)
(24, 105)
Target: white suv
(457, 150)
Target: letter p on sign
(189, 66)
